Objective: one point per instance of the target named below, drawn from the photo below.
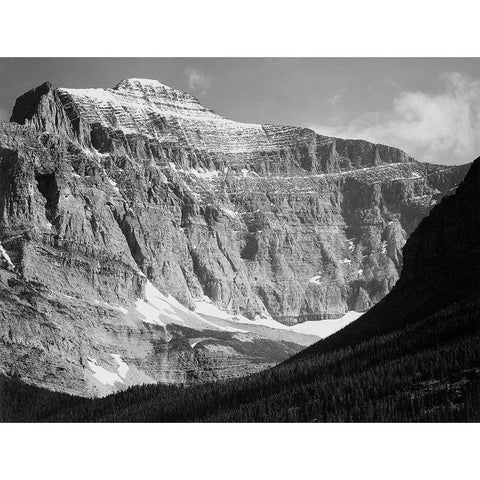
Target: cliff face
(114, 197)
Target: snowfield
(122, 366)
(106, 377)
(158, 309)
(207, 307)
(318, 328)
(102, 375)
(325, 328)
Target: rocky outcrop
(108, 193)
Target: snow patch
(345, 261)
(315, 280)
(325, 328)
(156, 308)
(6, 257)
(207, 307)
(319, 328)
(122, 366)
(384, 246)
(229, 212)
(159, 309)
(102, 375)
(265, 322)
(113, 184)
(119, 309)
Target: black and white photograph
(239, 239)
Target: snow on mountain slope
(135, 106)
(319, 329)
(162, 310)
(325, 328)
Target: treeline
(428, 370)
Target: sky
(428, 107)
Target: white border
(247, 28)
(248, 451)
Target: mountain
(413, 357)
(145, 238)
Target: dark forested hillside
(428, 371)
(413, 357)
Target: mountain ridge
(137, 94)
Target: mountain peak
(158, 118)
(141, 84)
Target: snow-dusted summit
(163, 114)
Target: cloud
(197, 82)
(441, 128)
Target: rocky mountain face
(146, 238)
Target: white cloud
(440, 128)
(198, 82)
